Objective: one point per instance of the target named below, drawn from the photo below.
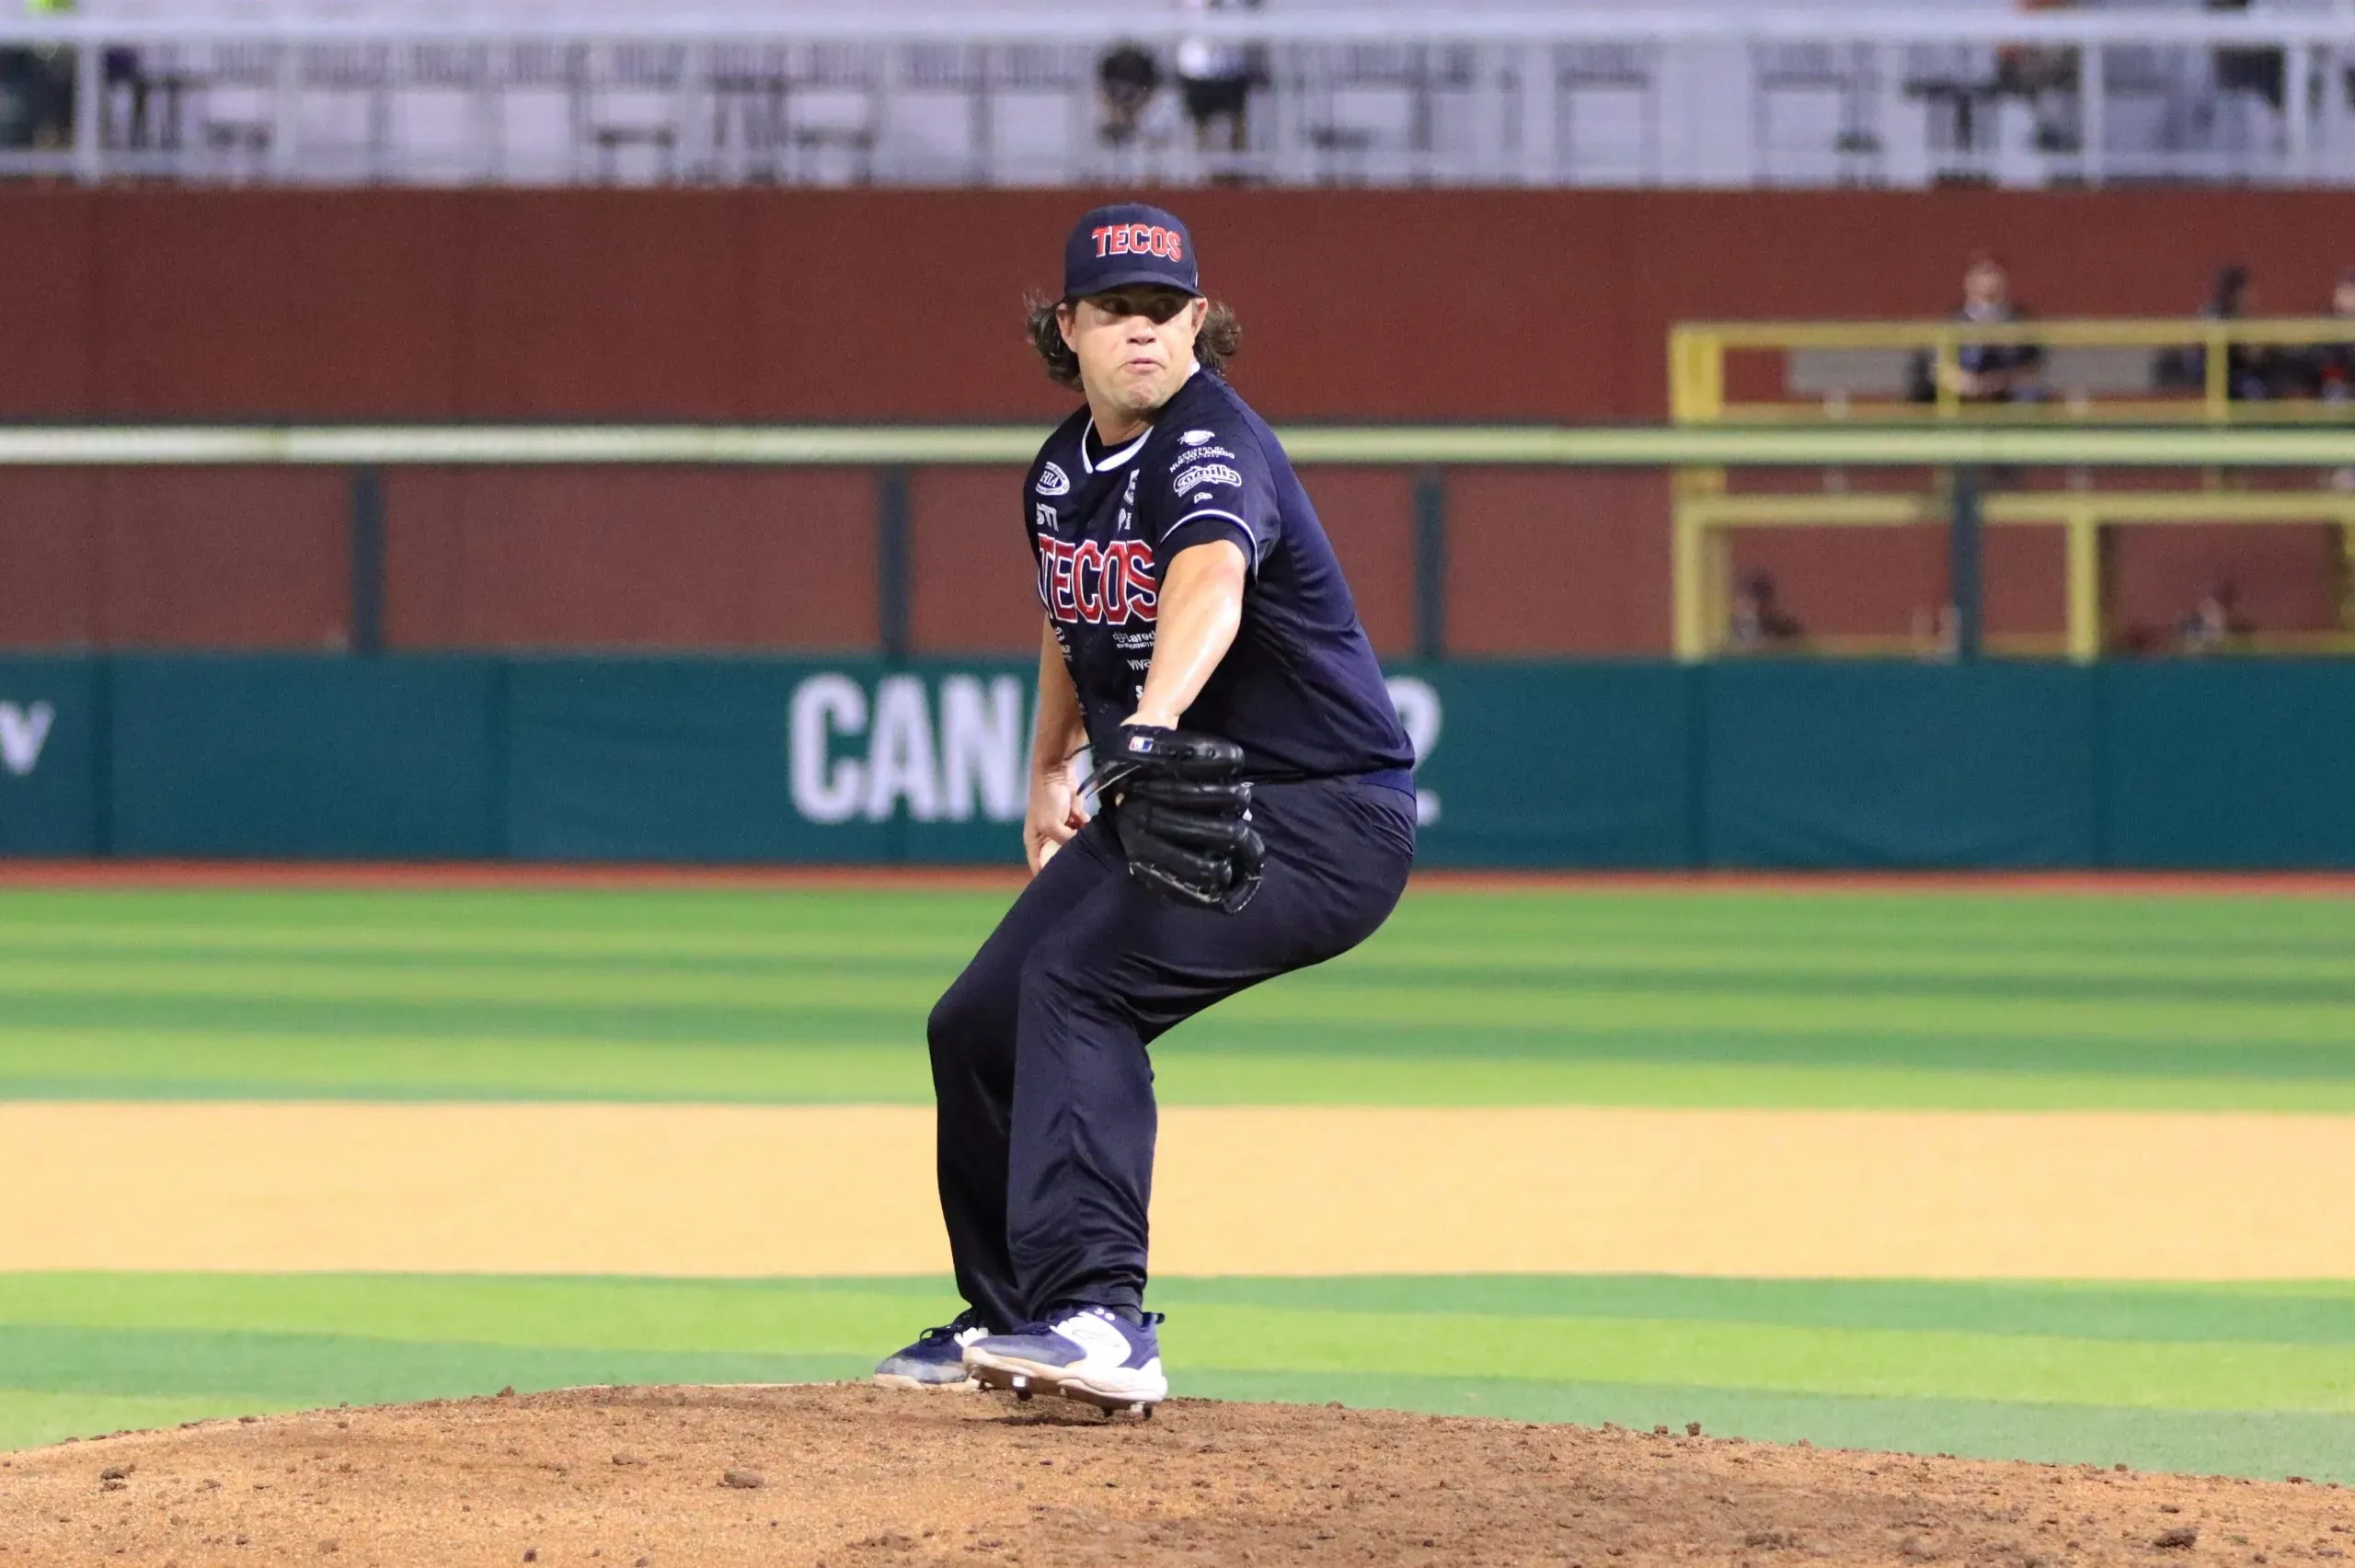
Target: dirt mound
(854, 1477)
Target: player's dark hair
(1215, 344)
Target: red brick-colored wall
(890, 306)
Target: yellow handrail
(1704, 511)
(2117, 332)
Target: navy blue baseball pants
(1039, 1050)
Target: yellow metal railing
(1697, 352)
(1705, 511)
(1703, 576)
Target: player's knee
(954, 1023)
(971, 1013)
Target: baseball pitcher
(1255, 814)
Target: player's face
(1135, 346)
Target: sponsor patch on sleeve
(1203, 474)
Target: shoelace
(968, 1318)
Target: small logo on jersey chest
(1054, 481)
(1195, 438)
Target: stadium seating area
(1302, 92)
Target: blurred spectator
(1126, 80)
(2215, 623)
(2252, 370)
(2047, 77)
(37, 89)
(1937, 630)
(2254, 71)
(1983, 372)
(1216, 75)
(2327, 370)
(1759, 624)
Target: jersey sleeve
(1216, 485)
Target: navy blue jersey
(1299, 691)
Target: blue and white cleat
(937, 1360)
(1094, 1355)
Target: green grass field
(1641, 996)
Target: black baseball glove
(1184, 816)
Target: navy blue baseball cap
(1125, 244)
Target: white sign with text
(956, 749)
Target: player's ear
(1065, 314)
(1200, 311)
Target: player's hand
(1055, 814)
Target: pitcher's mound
(852, 1476)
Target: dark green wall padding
(305, 758)
(1899, 764)
(52, 767)
(2226, 765)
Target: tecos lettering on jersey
(1111, 583)
(1139, 239)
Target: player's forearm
(1201, 610)
(1062, 730)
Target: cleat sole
(912, 1385)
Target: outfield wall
(144, 302)
(1768, 765)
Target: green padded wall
(2237, 763)
(1553, 764)
(278, 756)
(839, 761)
(52, 725)
(1766, 765)
(1873, 764)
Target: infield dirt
(829, 1190)
(847, 1475)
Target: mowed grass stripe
(665, 1316)
(1901, 960)
(2278, 1312)
(792, 1315)
(1619, 997)
(1877, 1362)
(155, 1350)
(151, 1063)
(1341, 998)
(2270, 1444)
(786, 943)
(766, 972)
(33, 1418)
(288, 1370)
(1696, 1346)
(1782, 920)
